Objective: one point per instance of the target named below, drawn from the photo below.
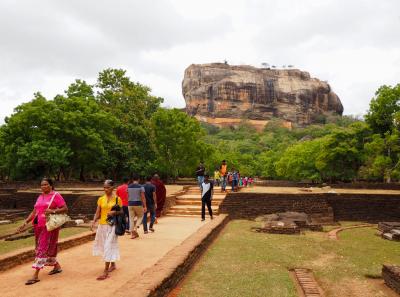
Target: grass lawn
(8, 246)
(8, 228)
(244, 263)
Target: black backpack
(119, 220)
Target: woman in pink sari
(46, 241)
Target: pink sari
(45, 241)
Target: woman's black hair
(109, 182)
(49, 180)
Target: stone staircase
(188, 204)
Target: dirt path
(80, 268)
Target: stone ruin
(289, 222)
(391, 276)
(390, 230)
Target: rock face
(220, 92)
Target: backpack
(119, 220)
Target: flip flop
(111, 269)
(32, 281)
(102, 277)
(55, 271)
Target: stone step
(191, 207)
(198, 197)
(188, 215)
(192, 212)
(388, 236)
(195, 202)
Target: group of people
(134, 201)
(222, 177)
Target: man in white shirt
(206, 197)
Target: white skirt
(106, 243)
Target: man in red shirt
(122, 192)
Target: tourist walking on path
(235, 179)
(151, 204)
(49, 202)
(200, 173)
(136, 205)
(161, 193)
(217, 177)
(122, 192)
(206, 197)
(223, 170)
(106, 241)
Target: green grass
(245, 263)
(8, 246)
(9, 228)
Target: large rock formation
(222, 94)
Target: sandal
(32, 281)
(102, 277)
(55, 271)
(112, 268)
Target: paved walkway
(80, 268)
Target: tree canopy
(116, 127)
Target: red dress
(161, 194)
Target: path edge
(161, 278)
(25, 255)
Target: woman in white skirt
(106, 242)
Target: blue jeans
(223, 183)
(200, 180)
(152, 211)
(234, 184)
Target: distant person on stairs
(200, 173)
(206, 197)
(223, 172)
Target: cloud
(47, 44)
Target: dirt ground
(80, 268)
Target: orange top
(223, 169)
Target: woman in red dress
(46, 241)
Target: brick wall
(77, 203)
(320, 206)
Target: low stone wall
(161, 278)
(320, 206)
(10, 260)
(77, 203)
(354, 185)
(391, 276)
(251, 205)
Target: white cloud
(47, 44)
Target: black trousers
(126, 213)
(204, 202)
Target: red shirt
(122, 192)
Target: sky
(46, 44)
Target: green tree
(178, 142)
(299, 161)
(384, 109)
(132, 104)
(382, 161)
(342, 152)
